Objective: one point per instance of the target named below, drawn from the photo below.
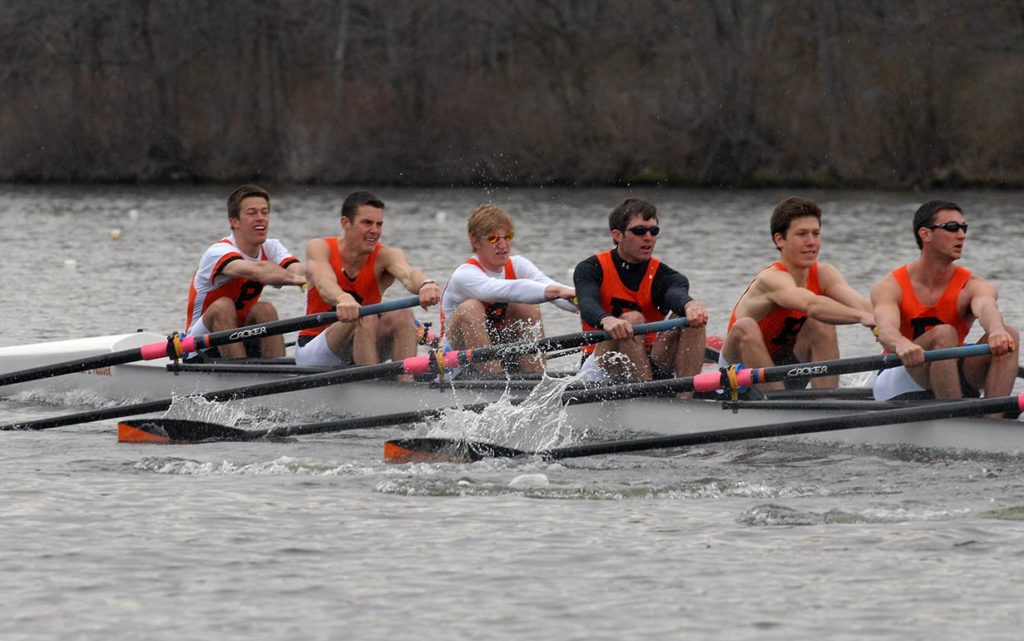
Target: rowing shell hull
(674, 416)
(151, 380)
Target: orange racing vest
(917, 318)
(616, 298)
(363, 287)
(780, 327)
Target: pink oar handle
(422, 364)
(711, 381)
(154, 351)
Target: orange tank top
(363, 287)
(617, 298)
(780, 327)
(917, 318)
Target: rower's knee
(396, 322)
(634, 317)
(524, 312)
(745, 334)
(262, 313)
(942, 336)
(220, 314)
(470, 310)
(819, 331)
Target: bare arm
(780, 288)
(265, 272)
(983, 297)
(885, 296)
(839, 303)
(321, 275)
(393, 261)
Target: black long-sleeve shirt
(670, 290)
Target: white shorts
(316, 353)
(892, 382)
(591, 371)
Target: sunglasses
(494, 238)
(951, 227)
(640, 230)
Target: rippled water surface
(316, 538)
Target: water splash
(194, 407)
(281, 466)
(538, 422)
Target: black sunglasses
(951, 227)
(640, 230)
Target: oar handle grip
(711, 381)
(195, 343)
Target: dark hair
(627, 209)
(925, 215)
(356, 200)
(789, 210)
(240, 194)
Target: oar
(176, 431)
(169, 430)
(460, 451)
(723, 378)
(175, 347)
(424, 364)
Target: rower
(356, 269)
(626, 286)
(494, 296)
(226, 287)
(789, 312)
(931, 303)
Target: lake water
(318, 539)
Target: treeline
(889, 93)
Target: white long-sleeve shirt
(469, 281)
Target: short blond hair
(487, 219)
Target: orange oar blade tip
(397, 452)
(427, 450)
(443, 450)
(141, 432)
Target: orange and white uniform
(917, 318)
(312, 349)
(617, 298)
(780, 327)
(209, 282)
(519, 282)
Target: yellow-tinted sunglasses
(494, 238)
